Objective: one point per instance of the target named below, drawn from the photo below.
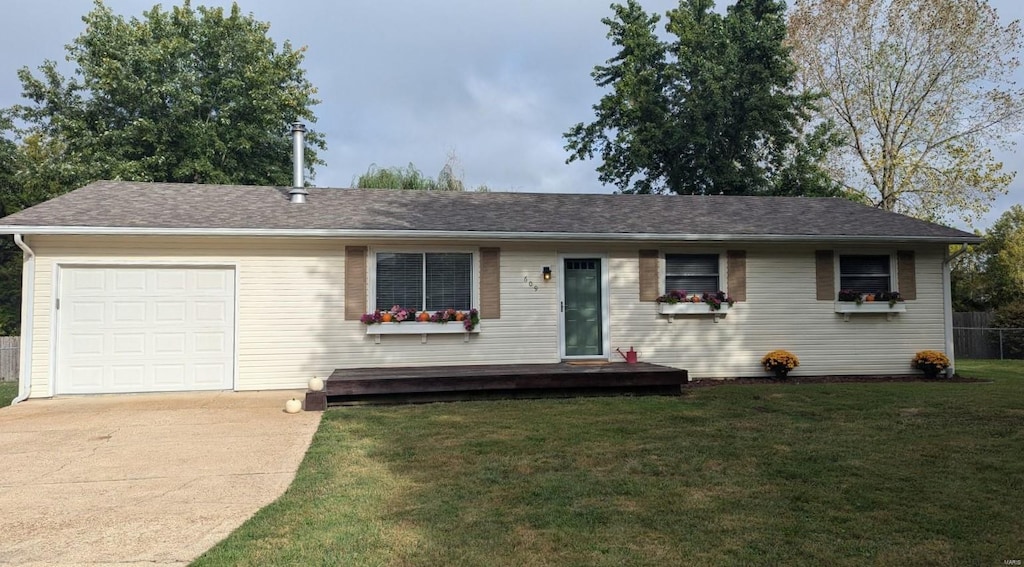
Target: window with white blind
(424, 280)
(694, 273)
(865, 273)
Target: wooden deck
(442, 383)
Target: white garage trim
(148, 275)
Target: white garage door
(145, 329)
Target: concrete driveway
(141, 479)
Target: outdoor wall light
(546, 270)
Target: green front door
(583, 317)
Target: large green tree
(922, 91)
(1004, 261)
(186, 95)
(991, 275)
(713, 110)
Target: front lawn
(8, 391)
(837, 474)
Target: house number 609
(529, 283)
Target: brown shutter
(906, 274)
(490, 283)
(355, 282)
(736, 262)
(825, 275)
(650, 283)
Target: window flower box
(692, 309)
(401, 321)
(847, 308)
(419, 328)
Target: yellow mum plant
(780, 362)
(931, 362)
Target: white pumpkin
(293, 405)
(316, 384)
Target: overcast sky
(407, 81)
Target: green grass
(840, 474)
(8, 391)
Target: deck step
(404, 385)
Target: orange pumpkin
(459, 316)
(423, 316)
(386, 317)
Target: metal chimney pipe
(298, 192)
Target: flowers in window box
(850, 295)
(780, 362)
(893, 297)
(397, 314)
(931, 362)
(673, 297)
(715, 300)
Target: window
(424, 281)
(695, 273)
(864, 273)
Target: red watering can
(629, 356)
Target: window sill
(846, 308)
(692, 309)
(421, 328)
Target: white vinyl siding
(781, 311)
(290, 306)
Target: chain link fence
(975, 337)
(988, 342)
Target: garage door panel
(128, 344)
(128, 329)
(171, 311)
(210, 311)
(171, 281)
(127, 281)
(169, 375)
(169, 344)
(211, 343)
(126, 377)
(87, 377)
(86, 312)
(128, 312)
(82, 344)
(88, 281)
(208, 374)
(213, 281)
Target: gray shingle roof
(169, 207)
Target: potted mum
(931, 362)
(780, 363)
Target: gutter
(28, 286)
(947, 304)
(465, 234)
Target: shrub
(780, 362)
(931, 362)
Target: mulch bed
(956, 379)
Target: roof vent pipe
(298, 192)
